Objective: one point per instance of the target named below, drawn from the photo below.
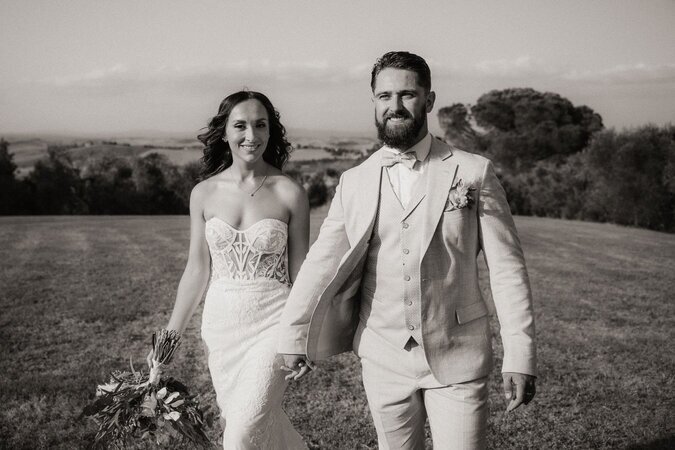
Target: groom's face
(401, 107)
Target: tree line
(115, 184)
(553, 158)
(103, 184)
(557, 160)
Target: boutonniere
(461, 195)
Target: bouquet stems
(164, 345)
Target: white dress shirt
(402, 178)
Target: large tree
(455, 121)
(521, 126)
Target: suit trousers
(402, 393)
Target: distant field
(27, 152)
(81, 295)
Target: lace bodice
(240, 320)
(259, 251)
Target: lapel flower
(461, 195)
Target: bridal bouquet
(134, 405)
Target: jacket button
(406, 251)
(409, 302)
(406, 278)
(405, 225)
(410, 327)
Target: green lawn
(81, 295)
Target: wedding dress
(248, 288)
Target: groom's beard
(402, 136)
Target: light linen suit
(321, 317)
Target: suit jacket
(321, 314)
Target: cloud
(627, 74)
(93, 77)
(522, 66)
(120, 79)
(527, 69)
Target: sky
(140, 66)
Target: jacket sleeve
(317, 271)
(508, 275)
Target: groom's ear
(431, 99)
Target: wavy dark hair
(217, 154)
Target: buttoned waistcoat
(390, 296)
(322, 312)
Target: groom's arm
(317, 271)
(510, 289)
(508, 276)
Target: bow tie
(390, 159)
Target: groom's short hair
(404, 61)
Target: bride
(249, 233)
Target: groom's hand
(519, 388)
(297, 366)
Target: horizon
(290, 132)
(117, 68)
(130, 134)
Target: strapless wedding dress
(246, 295)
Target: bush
(13, 193)
(623, 177)
(631, 177)
(317, 192)
(56, 186)
(109, 187)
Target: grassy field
(81, 295)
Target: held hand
(297, 366)
(148, 359)
(155, 371)
(519, 388)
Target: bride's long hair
(217, 154)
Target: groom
(393, 275)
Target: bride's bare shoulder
(202, 190)
(285, 186)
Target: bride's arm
(298, 229)
(298, 245)
(197, 270)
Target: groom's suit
(405, 277)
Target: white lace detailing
(260, 251)
(242, 308)
(239, 328)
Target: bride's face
(247, 131)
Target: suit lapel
(441, 173)
(367, 198)
(418, 195)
